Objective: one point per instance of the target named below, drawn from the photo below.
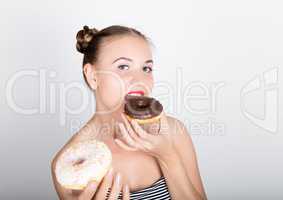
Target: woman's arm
(180, 168)
(179, 184)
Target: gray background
(201, 42)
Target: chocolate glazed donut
(145, 110)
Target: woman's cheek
(112, 92)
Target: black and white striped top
(157, 191)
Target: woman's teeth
(135, 94)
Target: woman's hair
(89, 40)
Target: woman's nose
(129, 79)
(137, 83)
(133, 81)
(134, 78)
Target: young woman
(118, 60)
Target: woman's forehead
(133, 47)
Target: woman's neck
(105, 125)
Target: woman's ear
(90, 75)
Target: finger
(139, 137)
(89, 191)
(128, 148)
(124, 145)
(126, 192)
(105, 185)
(164, 126)
(155, 128)
(116, 187)
(139, 130)
(126, 136)
(139, 142)
(131, 130)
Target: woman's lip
(136, 92)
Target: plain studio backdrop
(218, 68)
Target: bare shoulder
(186, 150)
(177, 127)
(181, 136)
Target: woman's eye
(122, 67)
(147, 69)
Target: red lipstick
(136, 92)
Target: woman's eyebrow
(129, 59)
(149, 61)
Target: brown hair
(89, 40)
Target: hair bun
(84, 38)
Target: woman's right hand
(99, 191)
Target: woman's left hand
(136, 138)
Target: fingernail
(118, 178)
(127, 188)
(93, 184)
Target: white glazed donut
(82, 162)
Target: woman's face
(124, 64)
